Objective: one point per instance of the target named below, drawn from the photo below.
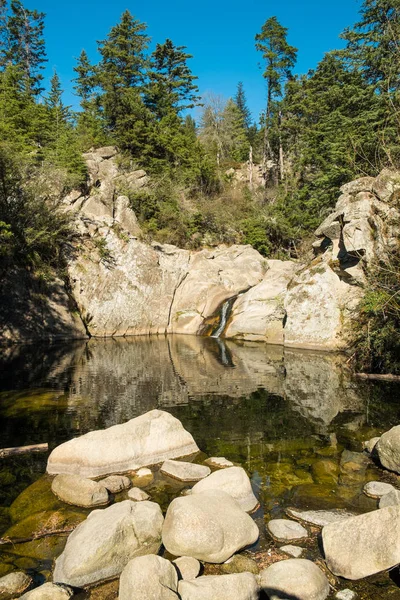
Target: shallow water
(286, 416)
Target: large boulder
(388, 448)
(145, 440)
(148, 577)
(241, 586)
(209, 526)
(363, 545)
(80, 491)
(295, 578)
(235, 482)
(259, 313)
(102, 546)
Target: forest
(318, 131)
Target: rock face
(241, 586)
(235, 482)
(148, 577)
(102, 546)
(363, 545)
(294, 578)
(79, 491)
(209, 526)
(13, 585)
(184, 471)
(388, 448)
(145, 440)
(259, 313)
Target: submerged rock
(148, 577)
(240, 564)
(184, 471)
(242, 586)
(102, 546)
(13, 585)
(294, 578)
(235, 482)
(388, 449)
(209, 526)
(145, 440)
(188, 567)
(320, 518)
(49, 591)
(363, 545)
(284, 530)
(79, 491)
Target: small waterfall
(225, 312)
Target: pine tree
(26, 45)
(279, 58)
(171, 85)
(90, 123)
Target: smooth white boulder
(377, 489)
(284, 530)
(145, 440)
(388, 448)
(233, 481)
(148, 578)
(14, 584)
(184, 471)
(294, 578)
(240, 586)
(102, 546)
(187, 567)
(80, 491)
(209, 526)
(363, 545)
(116, 483)
(48, 591)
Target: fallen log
(23, 450)
(378, 377)
(38, 536)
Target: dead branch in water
(378, 377)
(23, 450)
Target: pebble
(294, 551)
(346, 595)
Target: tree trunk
(251, 167)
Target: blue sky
(219, 34)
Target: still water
(290, 418)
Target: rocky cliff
(124, 286)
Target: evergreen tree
(241, 103)
(90, 124)
(279, 59)
(171, 85)
(26, 45)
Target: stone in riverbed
(346, 595)
(48, 591)
(145, 440)
(13, 585)
(209, 526)
(284, 530)
(219, 462)
(363, 545)
(137, 495)
(320, 518)
(184, 471)
(377, 489)
(294, 551)
(242, 586)
(148, 577)
(188, 567)
(79, 491)
(388, 449)
(239, 563)
(369, 445)
(295, 578)
(390, 499)
(233, 481)
(116, 483)
(102, 546)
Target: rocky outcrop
(101, 547)
(146, 440)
